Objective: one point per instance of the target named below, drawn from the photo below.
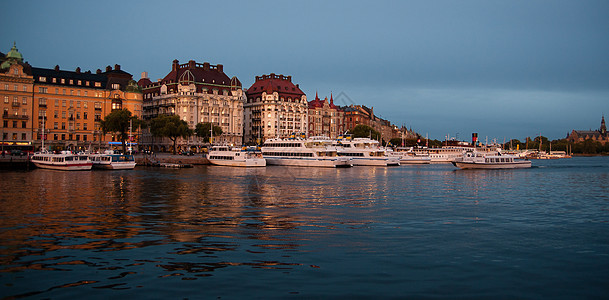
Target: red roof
(275, 83)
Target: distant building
(71, 104)
(599, 135)
(197, 93)
(325, 118)
(275, 107)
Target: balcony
(16, 117)
(42, 105)
(16, 104)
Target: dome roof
(14, 54)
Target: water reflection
(147, 228)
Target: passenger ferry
(112, 160)
(440, 155)
(311, 152)
(235, 157)
(65, 160)
(473, 159)
(408, 156)
(365, 152)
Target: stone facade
(16, 85)
(197, 93)
(275, 107)
(325, 118)
(67, 106)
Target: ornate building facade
(16, 85)
(65, 107)
(599, 135)
(197, 93)
(275, 107)
(325, 118)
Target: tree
(171, 127)
(203, 130)
(360, 131)
(119, 121)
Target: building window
(63, 125)
(98, 84)
(23, 124)
(23, 137)
(6, 99)
(25, 88)
(55, 125)
(63, 137)
(115, 86)
(84, 115)
(24, 101)
(42, 90)
(84, 126)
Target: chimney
(117, 67)
(144, 75)
(56, 67)
(290, 78)
(98, 71)
(191, 64)
(205, 66)
(174, 65)
(108, 68)
(220, 68)
(78, 70)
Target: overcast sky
(504, 69)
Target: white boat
(235, 157)
(408, 156)
(365, 152)
(440, 155)
(311, 152)
(65, 160)
(112, 160)
(473, 159)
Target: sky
(504, 69)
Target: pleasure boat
(311, 152)
(440, 155)
(112, 160)
(365, 152)
(65, 160)
(236, 157)
(473, 159)
(408, 156)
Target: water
(278, 232)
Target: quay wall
(144, 160)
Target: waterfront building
(325, 118)
(16, 85)
(197, 93)
(63, 107)
(74, 103)
(275, 107)
(599, 135)
(362, 115)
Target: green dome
(14, 54)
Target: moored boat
(65, 160)
(408, 157)
(311, 152)
(235, 157)
(112, 160)
(365, 152)
(477, 160)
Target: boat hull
(239, 163)
(492, 166)
(63, 167)
(310, 162)
(115, 166)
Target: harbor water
(209, 232)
